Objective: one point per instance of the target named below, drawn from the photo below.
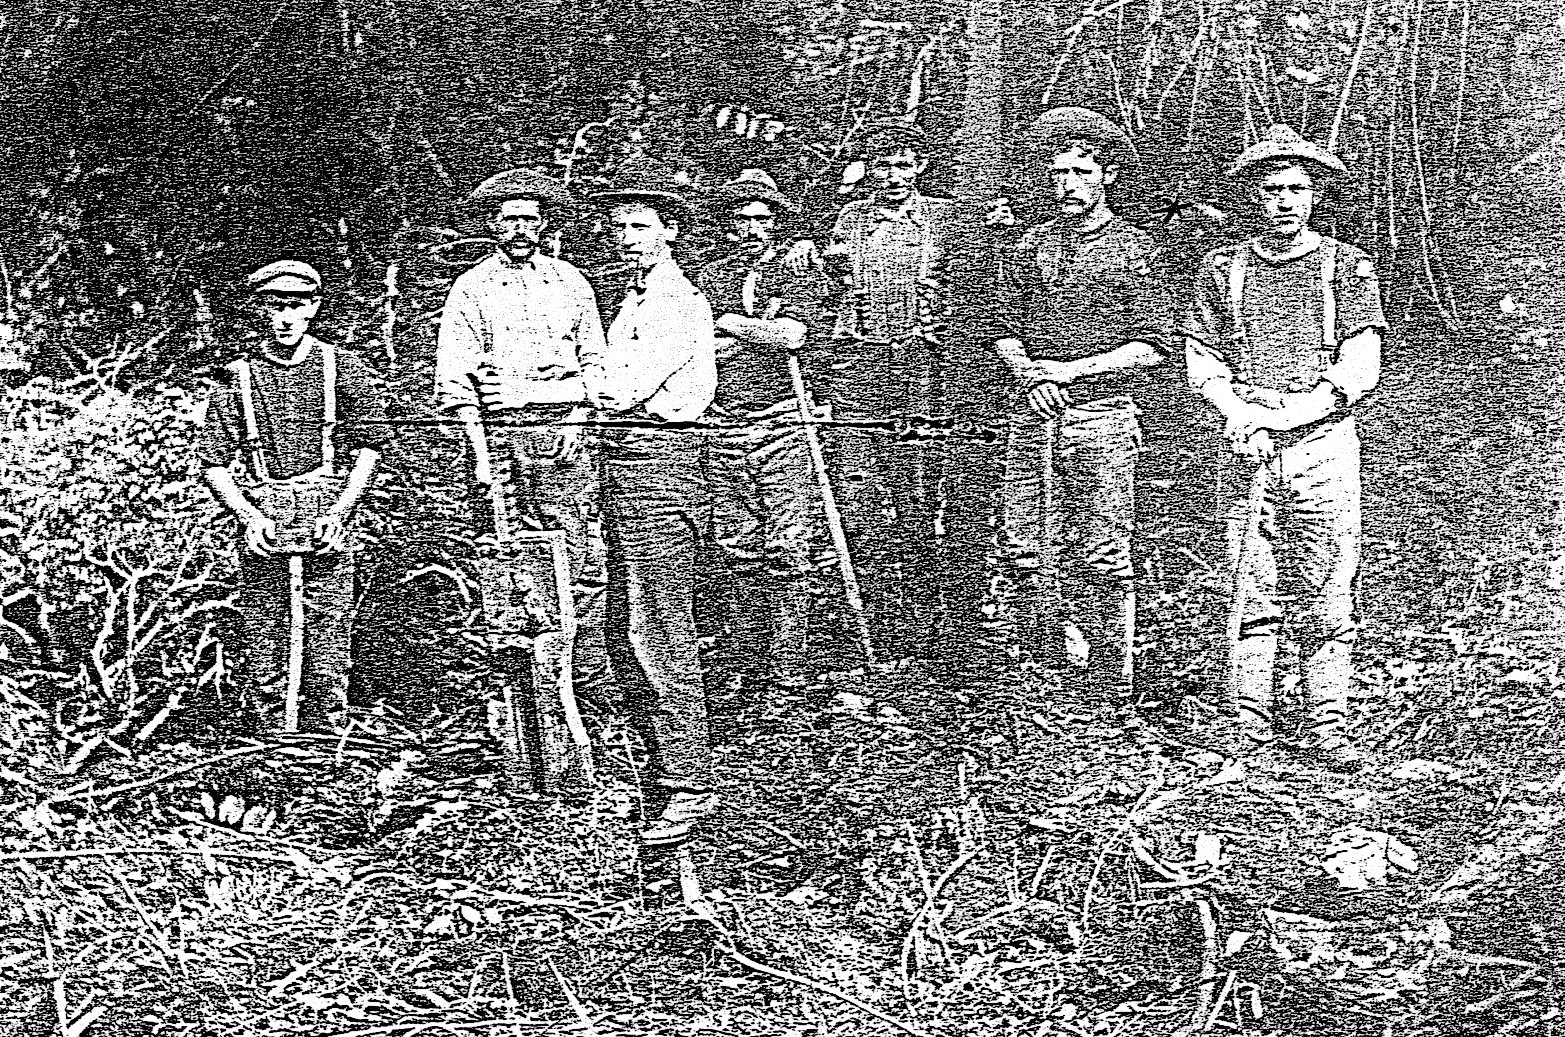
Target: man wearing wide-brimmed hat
(1283, 338)
(512, 334)
(289, 447)
(655, 375)
(892, 253)
(1083, 316)
(766, 510)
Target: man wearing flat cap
(653, 377)
(512, 333)
(1083, 316)
(765, 506)
(891, 252)
(289, 445)
(1283, 338)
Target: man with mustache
(653, 377)
(891, 252)
(1083, 317)
(512, 333)
(765, 505)
(1283, 339)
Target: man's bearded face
(754, 223)
(518, 226)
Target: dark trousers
(766, 519)
(889, 484)
(652, 510)
(328, 629)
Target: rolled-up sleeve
(1361, 325)
(1204, 329)
(458, 350)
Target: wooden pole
(295, 642)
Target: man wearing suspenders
(294, 409)
(1283, 338)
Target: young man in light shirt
(656, 372)
(1283, 338)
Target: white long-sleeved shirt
(521, 318)
(660, 352)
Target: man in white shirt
(656, 371)
(512, 333)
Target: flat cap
(1284, 142)
(287, 276)
(645, 180)
(519, 183)
(753, 185)
(1059, 125)
(900, 130)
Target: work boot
(672, 827)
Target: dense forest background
(1002, 860)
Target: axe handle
(839, 535)
(295, 642)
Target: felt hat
(518, 183)
(901, 131)
(1058, 125)
(648, 181)
(285, 277)
(1284, 142)
(753, 185)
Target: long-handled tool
(839, 535)
(1254, 503)
(295, 678)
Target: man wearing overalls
(1087, 317)
(766, 507)
(1283, 338)
(293, 409)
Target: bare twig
(1353, 71)
(727, 947)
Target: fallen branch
(727, 947)
(86, 790)
(156, 851)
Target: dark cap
(285, 277)
(898, 132)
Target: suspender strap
(255, 456)
(252, 442)
(1328, 297)
(329, 404)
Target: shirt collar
(537, 262)
(910, 211)
(1308, 242)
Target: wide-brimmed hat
(1282, 141)
(1058, 125)
(518, 183)
(285, 277)
(752, 185)
(899, 130)
(649, 181)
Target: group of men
(791, 402)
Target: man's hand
(801, 256)
(495, 395)
(1244, 420)
(1048, 399)
(331, 532)
(1257, 447)
(260, 534)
